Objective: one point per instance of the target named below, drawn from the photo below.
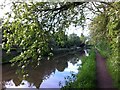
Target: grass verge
(86, 77)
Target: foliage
(105, 33)
(103, 50)
(73, 40)
(83, 38)
(60, 38)
(86, 78)
(31, 26)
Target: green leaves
(86, 76)
(31, 26)
(25, 33)
(105, 30)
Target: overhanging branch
(64, 7)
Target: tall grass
(86, 77)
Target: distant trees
(73, 40)
(65, 41)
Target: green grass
(114, 68)
(104, 53)
(86, 77)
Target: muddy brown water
(49, 73)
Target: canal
(47, 74)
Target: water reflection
(23, 84)
(47, 75)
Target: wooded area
(36, 29)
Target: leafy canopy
(105, 35)
(31, 26)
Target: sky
(77, 30)
(5, 9)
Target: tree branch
(96, 7)
(64, 7)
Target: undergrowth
(86, 77)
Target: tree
(32, 25)
(105, 32)
(74, 40)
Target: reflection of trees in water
(68, 80)
(62, 65)
(41, 72)
(74, 60)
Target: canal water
(48, 74)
